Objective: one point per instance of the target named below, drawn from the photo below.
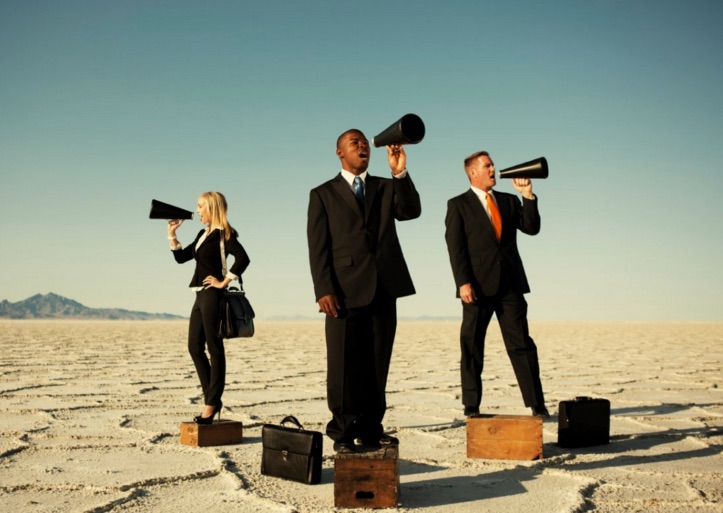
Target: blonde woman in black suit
(208, 282)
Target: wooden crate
(225, 432)
(504, 437)
(367, 479)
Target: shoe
(540, 411)
(469, 411)
(367, 444)
(344, 447)
(377, 443)
(388, 440)
(204, 421)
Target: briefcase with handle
(291, 452)
(583, 422)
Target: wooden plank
(226, 432)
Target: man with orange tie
(481, 239)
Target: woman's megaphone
(160, 210)
(533, 169)
(409, 129)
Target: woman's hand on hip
(212, 282)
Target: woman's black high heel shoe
(209, 420)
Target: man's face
(353, 151)
(482, 174)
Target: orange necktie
(495, 215)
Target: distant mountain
(53, 306)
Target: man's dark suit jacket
(477, 257)
(351, 248)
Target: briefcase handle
(293, 420)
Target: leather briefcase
(291, 453)
(583, 422)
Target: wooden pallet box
(226, 432)
(367, 479)
(504, 437)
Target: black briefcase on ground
(583, 422)
(291, 453)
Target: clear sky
(105, 105)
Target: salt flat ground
(90, 412)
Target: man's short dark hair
(338, 139)
(469, 160)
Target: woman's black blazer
(208, 257)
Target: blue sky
(107, 105)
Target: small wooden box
(504, 437)
(367, 479)
(225, 432)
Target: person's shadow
(458, 489)
(623, 450)
(631, 449)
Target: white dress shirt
(349, 177)
(482, 197)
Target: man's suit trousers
(511, 310)
(359, 350)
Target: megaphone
(409, 129)
(160, 210)
(533, 169)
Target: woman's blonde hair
(217, 209)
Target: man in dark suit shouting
(481, 239)
(359, 271)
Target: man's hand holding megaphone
(397, 158)
(524, 187)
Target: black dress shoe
(388, 440)
(471, 410)
(540, 411)
(368, 444)
(382, 441)
(344, 447)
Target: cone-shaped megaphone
(408, 130)
(533, 169)
(160, 210)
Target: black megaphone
(160, 210)
(533, 169)
(409, 129)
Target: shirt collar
(349, 177)
(482, 194)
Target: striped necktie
(359, 189)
